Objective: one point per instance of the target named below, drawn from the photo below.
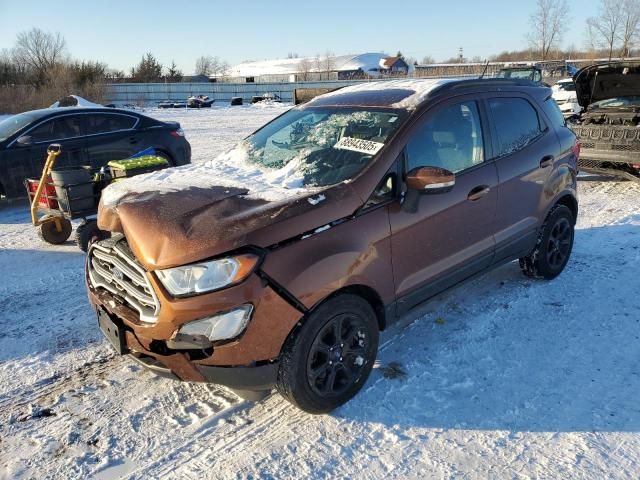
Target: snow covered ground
(502, 378)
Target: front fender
(355, 252)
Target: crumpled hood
(167, 229)
(601, 82)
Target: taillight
(177, 133)
(576, 149)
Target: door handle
(478, 192)
(546, 161)
(133, 140)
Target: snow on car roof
(80, 102)
(407, 94)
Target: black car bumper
(262, 377)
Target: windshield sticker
(359, 145)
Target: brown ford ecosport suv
(402, 189)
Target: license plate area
(113, 331)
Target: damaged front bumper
(248, 362)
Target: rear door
(450, 237)
(26, 161)
(526, 150)
(111, 136)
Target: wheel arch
(168, 154)
(365, 292)
(569, 201)
(368, 294)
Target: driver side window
(451, 139)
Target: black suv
(89, 136)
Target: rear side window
(553, 112)
(109, 122)
(517, 123)
(60, 128)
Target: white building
(322, 67)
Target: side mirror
(25, 140)
(430, 180)
(426, 180)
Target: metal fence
(153, 93)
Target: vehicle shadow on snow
(43, 303)
(507, 353)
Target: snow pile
(79, 102)
(230, 169)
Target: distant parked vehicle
(172, 104)
(564, 93)
(200, 101)
(271, 97)
(530, 72)
(89, 136)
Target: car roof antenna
(486, 65)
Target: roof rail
(518, 82)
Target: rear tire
(554, 245)
(327, 361)
(50, 234)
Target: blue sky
(118, 32)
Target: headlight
(207, 276)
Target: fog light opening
(223, 326)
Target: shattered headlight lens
(207, 276)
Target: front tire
(327, 360)
(554, 245)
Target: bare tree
(328, 63)
(547, 22)
(428, 59)
(223, 68)
(203, 65)
(40, 51)
(208, 65)
(603, 31)
(304, 69)
(630, 26)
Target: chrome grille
(113, 267)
